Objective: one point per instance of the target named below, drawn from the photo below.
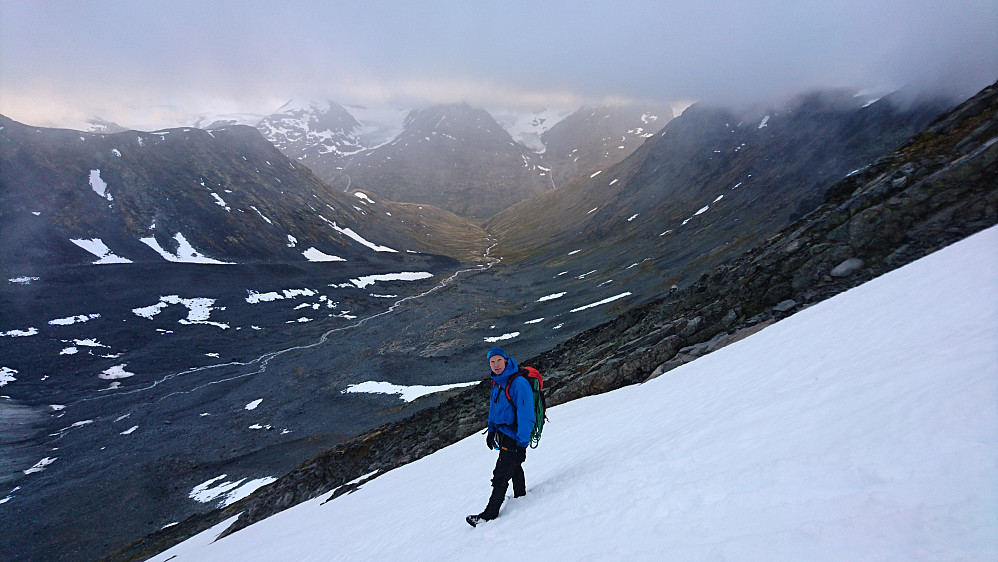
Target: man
(511, 419)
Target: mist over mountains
(711, 184)
(331, 249)
(456, 157)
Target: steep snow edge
(855, 429)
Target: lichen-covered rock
(847, 268)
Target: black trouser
(508, 467)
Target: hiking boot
(473, 520)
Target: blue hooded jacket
(515, 419)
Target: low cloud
(148, 63)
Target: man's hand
(490, 440)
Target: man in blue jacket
(511, 419)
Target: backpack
(533, 377)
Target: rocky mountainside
(938, 187)
(225, 195)
(597, 137)
(435, 155)
(710, 185)
(455, 157)
(319, 135)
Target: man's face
(498, 364)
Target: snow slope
(862, 428)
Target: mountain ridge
(361, 152)
(236, 198)
(706, 183)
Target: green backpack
(533, 377)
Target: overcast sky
(156, 63)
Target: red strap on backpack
(525, 372)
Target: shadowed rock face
(938, 188)
(454, 157)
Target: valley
(161, 391)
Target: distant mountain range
(436, 155)
(456, 157)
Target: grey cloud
(121, 57)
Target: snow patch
(360, 239)
(221, 202)
(185, 252)
(362, 282)
(97, 247)
(255, 297)
(40, 465)
(7, 375)
(551, 297)
(312, 254)
(602, 302)
(73, 319)
(262, 216)
(503, 337)
(406, 393)
(116, 372)
(20, 333)
(98, 185)
(227, 493)
(198, 310)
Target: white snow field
(862, 428)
